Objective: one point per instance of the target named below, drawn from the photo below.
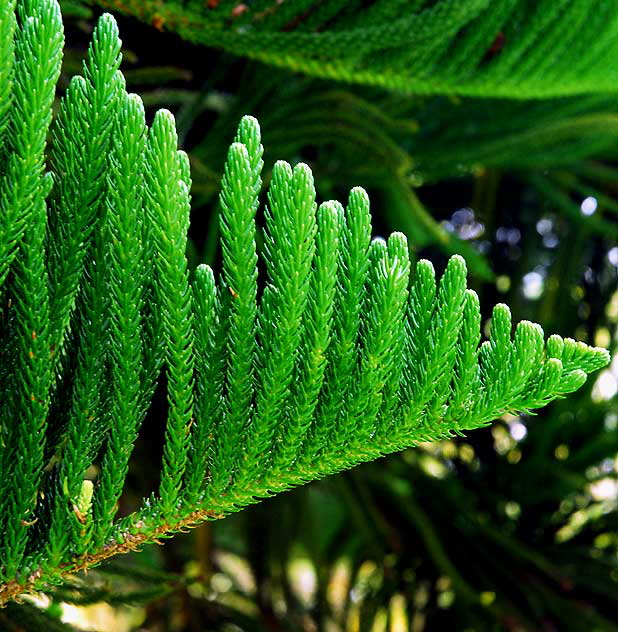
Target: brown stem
(132, 542)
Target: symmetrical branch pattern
(506, 48)
(348, 352)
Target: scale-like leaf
(348, 352)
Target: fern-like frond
(7, 29)
(81, 143)
(167, 188)
(123, 218)
(347, 353)
(239, 204)
(509, 48)
(23, 221)
(38, 52)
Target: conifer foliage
(506, 48)
(348, 352)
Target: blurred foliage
(514, 48)
(512, 528)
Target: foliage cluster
(316, 347)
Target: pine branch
(313, 360)
(38, 52)
(289, 249)
(168, 205)
(81, 143)
(239, 204)
(209, 370)
(352, 276)
(7, 30)
(23, 220)
(349, 352)
(126, 281)
(505, 48)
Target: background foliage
(512, 527)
